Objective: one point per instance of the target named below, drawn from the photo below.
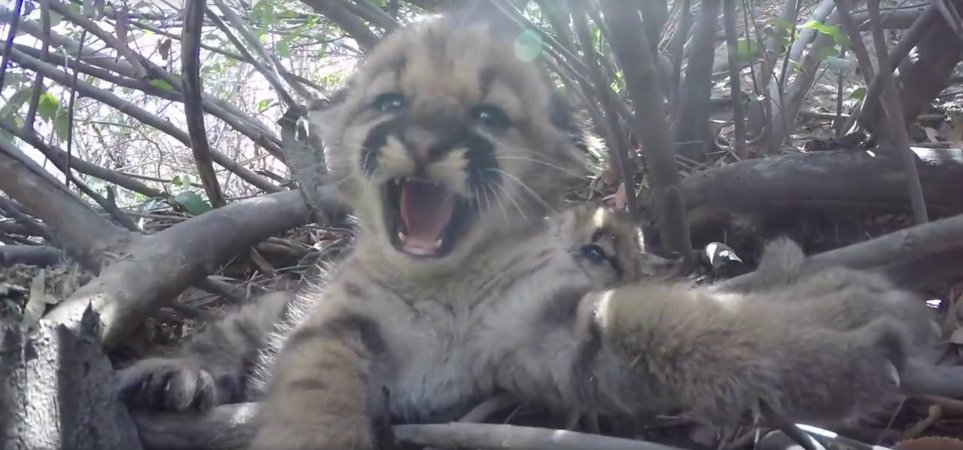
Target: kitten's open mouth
(424, 218)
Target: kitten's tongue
(426, 209)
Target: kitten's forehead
(466, 64)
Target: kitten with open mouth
(424, 217)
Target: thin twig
(141, 115)
(38, 86)
(620, 152)
(11, 34)
(632, 50)
(894, 112)
(735, 82)
(135, 60)
(271, 74)
(906, 43)
(193, 110)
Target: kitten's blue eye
(491, 117)
(389, 102)
(594, 253)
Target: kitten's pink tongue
(426, 209)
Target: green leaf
(181, 182)
(192, 203)
(284, 47)
(15, 102)
(827, 52)
(858, 93)
(48, 106)
(747, 49)
(839, 36)
(263, 13)
(62, 125)
(263, 105)
(162, 85)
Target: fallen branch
(229, 427)
(908, 244)
(843, 181)
(31, 255)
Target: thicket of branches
(162, 146)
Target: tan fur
(438, 356)
(232, 359)
(211, 368)
(663, 347)
(839, 297)
(415, 339)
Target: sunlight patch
(528, 45)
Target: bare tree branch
(621, 146)
(193, 109)
(894, 112)
(337, 12)
(33, 255)
(155, 268)
(82, 232)
(126, 107)
(8, 44)
(632, 51)
(735, 82)
(231, 427)
(692, 135)
(907, 244)
(871, 112)
(271, 75)
(60, 157)
(135, 60)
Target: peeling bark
(58, 391)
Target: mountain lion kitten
(451, 149)
(231, 360)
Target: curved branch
(155, 268)
(338, 13)
(193, 108)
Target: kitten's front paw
(163, 384)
